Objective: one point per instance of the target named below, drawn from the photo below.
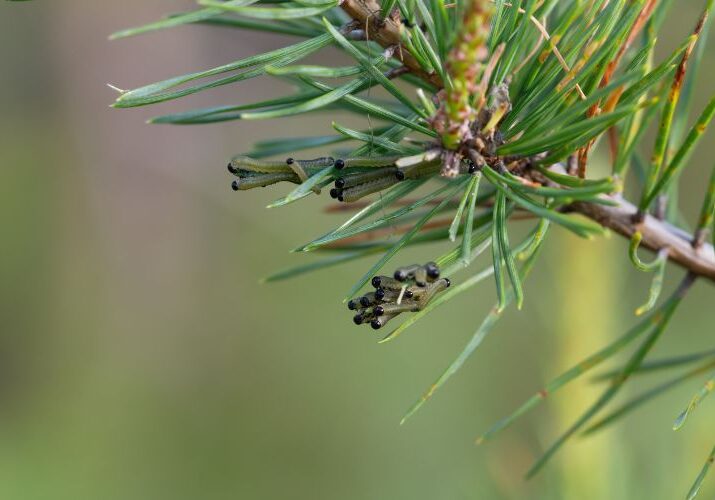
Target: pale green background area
(140, 358)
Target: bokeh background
(141, 358)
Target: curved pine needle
(633, 254)
(656, 285)
(657, 266)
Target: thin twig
(657, 235)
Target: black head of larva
(352, 305)
(376, 324)
(380, 294)
(340, 198)
(357, 319)
(334, 193)
(447, 282)
(379, 310)
(340, 183)
(432, 270)
(400, 275)
(234, 185)
(290, 161)
(472, 168)
(339, 164)
(376, 280)
(409, 294)
(400, 175)
(364, 301)
(231, 169)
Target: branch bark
(657, 235)
(387, 32)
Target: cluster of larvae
(410, 290)
(358, 177)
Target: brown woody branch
(657, 235)
(387, 32)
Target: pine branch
(502, 92)
(657, 235)
(386, 31)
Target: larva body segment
(254, 181)
(381, 321)
(355, 193)
(368, 161)
(433, 289)
(353, 180)
(260, 166)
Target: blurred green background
(140, 358)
